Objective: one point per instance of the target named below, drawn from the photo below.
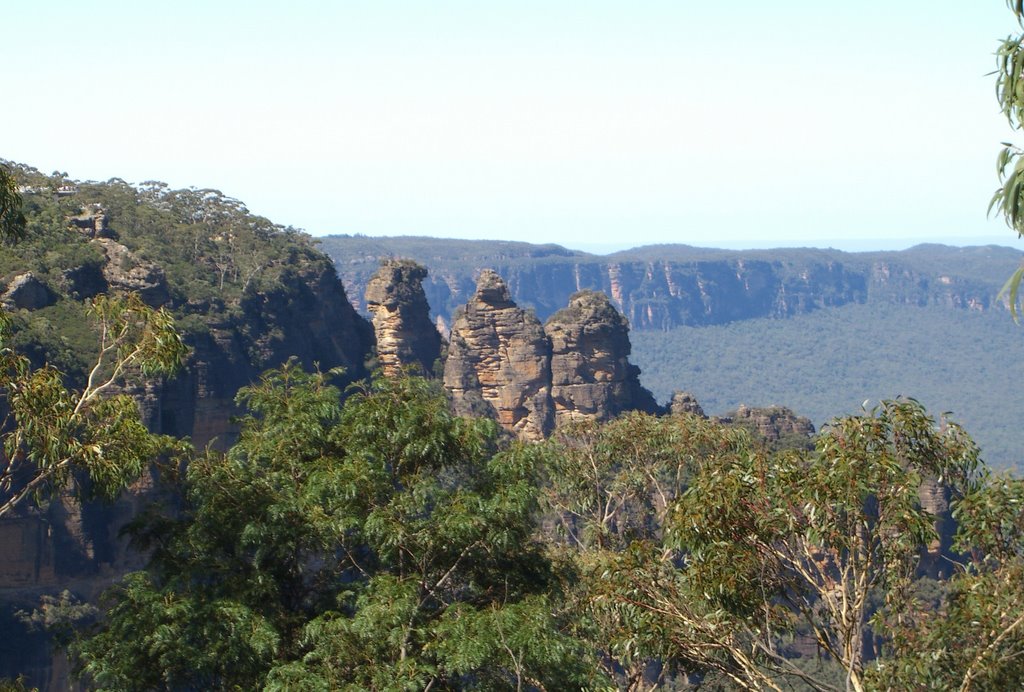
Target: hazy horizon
(803, 123)
(846, 245)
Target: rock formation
(28, 292)
(778, 425)
(126, 271)
(405, 334)
(684, 402)
(531, 378)
(92, 222)
(499, 361)
(935, 499)
(591, 376)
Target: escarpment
(247, 295)
(405, 334)
(661, 287)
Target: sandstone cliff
(499, 362)
(532, 378)
(405, 334)
(591, 376)
(777, 425)
(665, 286)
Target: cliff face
(667, 286)
(591, 376)
(306, 316)
(405, 335)
(500, 359)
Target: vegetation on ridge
(213, 254)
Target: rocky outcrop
(126, 271)
(591, 376)
(685, 403)
(306, 316)
(28, 292)
(499, 360)
(531, 378)
(935, 499)
(92, 222)
(777, 425)
(405, 335)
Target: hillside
(247, 295)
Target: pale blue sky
(591, 123)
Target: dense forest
(830, 362)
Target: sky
(597, 125)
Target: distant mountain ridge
(664, 286)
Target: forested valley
(832, 362)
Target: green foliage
(358, 547)
(977, 640)
(762, 548)
(51, 432)
(12, 220)
(386, 544)
(1008, 198)
(61, 336)
(16, 685)
(609, 484)
(609, 492)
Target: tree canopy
(12, 219)
(383, 544)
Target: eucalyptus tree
(761, 549)
(608, 494)
(1008, 199)
(382, 544)
(54, 435)
(976, 639)
(12, 220)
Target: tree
(976, 641)
(50, 431)
(383, 544)
(1008, 199)
(610, 483)
(12, 220)
(608, 491)
(759, 549)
